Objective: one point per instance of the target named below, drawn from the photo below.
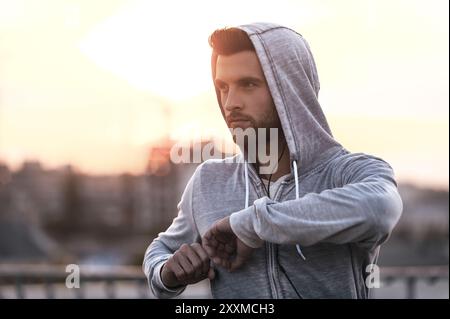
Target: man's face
(244, 93)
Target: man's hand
(188, 265)
(224, 247)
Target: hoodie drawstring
(297, 194)
(246, 184)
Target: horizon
(59, 168)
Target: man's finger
(207, 235)
(211, 241)
(223, 254)
(178, 272)
(223, 238)
(210, 244)
(221, 247)
(210, 250)
(243, 252)
(230, 247)
(222, 262)
(195, 261)
(186, 265)
(203, 255)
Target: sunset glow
(97, 83)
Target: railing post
(110, 293)
(19, 289)
(411, 287)
(142, 287)
(79, 292)
(49, 291)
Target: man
(309, 229)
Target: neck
(283, 166)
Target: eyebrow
(218, 82)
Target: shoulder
(218, 167)
(355, 166)
(348, 159)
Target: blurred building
(88, 212)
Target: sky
(97, 83)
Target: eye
(249, 85)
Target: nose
(232, 101)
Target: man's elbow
(387, 214)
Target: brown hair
(228, 41)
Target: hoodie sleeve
(364, 209)
(182, 230)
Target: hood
(291, 74)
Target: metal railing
(52, 278)
(412, 275)
(17, 280)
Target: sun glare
(163, 50)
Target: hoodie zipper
(273, 285)
(273, 261)
(270, 250)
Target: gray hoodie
(319, 234)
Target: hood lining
(282, 95)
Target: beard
(246, 137)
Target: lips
(238, 123)
(236, 120)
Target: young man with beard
(311, 227)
